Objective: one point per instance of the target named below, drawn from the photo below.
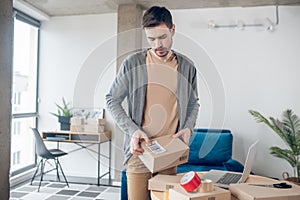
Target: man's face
(160, 38)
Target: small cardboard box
(76, 128)
(249, 192)
(77, 121)
(176, 153)
(217, 194)
(96, 121)
(93, 128)
(163, 182)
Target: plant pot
(64, 123)
(294, 180)
(287, 177)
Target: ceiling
(82, 7)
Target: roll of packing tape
(206, 186)
(190, 181)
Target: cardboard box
(176, 153)
(163, 182)
(96, 121)
(248, 192)
(155, 195)
(77, 121)
(94, 128)
(217, 194)
(91, 137)
(105, 136)
(76, 128)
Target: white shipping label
(155, 147)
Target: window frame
(33, 22)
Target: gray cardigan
(131, 83)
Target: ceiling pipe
(268, 24)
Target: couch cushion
(233, 165)
(186, 168)
(210, 147)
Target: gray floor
(60, 191)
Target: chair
(46, 154)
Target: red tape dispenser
(190, 181)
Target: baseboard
(22, 177)
(26, 176)
(83, 180)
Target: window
(16, 158)
(24, 94)
(16, 128)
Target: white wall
(238, 70)
(259, 71)
(75, 53)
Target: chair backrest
(40, 149)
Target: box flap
(162, 182)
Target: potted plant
(64, 114)
(289, 131)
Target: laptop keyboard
(229, 178)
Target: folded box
(77, 128)
(77, 121)
(94, 128)
(96, 121)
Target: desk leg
(98, 178)
(109, 163)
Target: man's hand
(137, 137)
(185, 134)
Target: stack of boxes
(91, 125)
(95, 125)
(77, 124)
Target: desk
(155, 195)
(84, 137)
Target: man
(161, 89)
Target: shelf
(68, 136)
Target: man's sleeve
(116, 95)
(193, 104)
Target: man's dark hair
(155, 16)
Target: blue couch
(209, 149)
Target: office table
(81, 138)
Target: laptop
(225, 178)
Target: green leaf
(286, 154)
(64, 109)
(289, 131)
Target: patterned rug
(60, 191)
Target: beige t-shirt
(161, 109)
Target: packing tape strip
(206, 186)
(190, 181)
(166, 196)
